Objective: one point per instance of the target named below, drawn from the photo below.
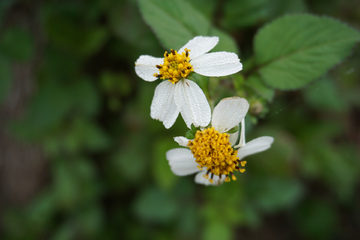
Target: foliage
(109, 177)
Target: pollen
(175, 67)
(213, 150)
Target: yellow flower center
(213, 150)
(175, 67)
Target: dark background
(80, 157)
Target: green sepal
(233, 130)
(193, 128)
(190, 134)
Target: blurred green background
(80, 157)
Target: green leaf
(5, 78)
(75, 182)
(214, 230)
(324, 95)
(153, 205)
(126, 23)
(122, 162)
(322, 161)
(247, 13)
(115, 83)
(160, 168)
(255, 82)
(207, 8)
(90, 220)
(174, 22)
(238, 80)
(41, 211)
(281, 7)
(85, 96)
(244, 13)
(272, 194)
(95, 38)
(17, 44)
(72, 36)
(226, 42)
(297, 49)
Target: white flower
(179, 94)
(211, 153)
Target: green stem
(205, 88)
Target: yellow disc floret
(213, 150)
(175, 67)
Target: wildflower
(178, 94)
(212, 152)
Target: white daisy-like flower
(212, 152)
(178, 94)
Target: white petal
(201, 180)
(216, 64)
(145, 67)
(233, 137)
(228, 113)
(182, 141)
(254, 146)
(200, 45)
(163, 106)
(181, 161)
(192, 103)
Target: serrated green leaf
(297, 49)
(174, 22)
(255, 82)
